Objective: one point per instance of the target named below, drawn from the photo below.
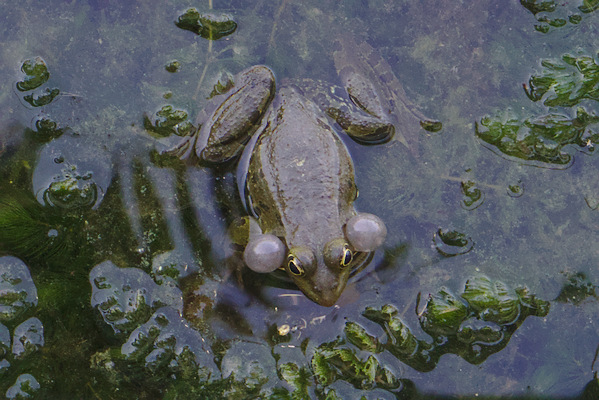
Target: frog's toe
(264, 253)
(365, 232)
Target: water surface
(116, 282)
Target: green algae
(551, 14)
(209, 25)
(36, 74)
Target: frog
(295, 175)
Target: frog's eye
(346, 257)
(337, 253)
(294, 265)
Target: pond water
(117, 274)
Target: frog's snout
(328, 284)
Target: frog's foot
(264, 253)
(365, 232)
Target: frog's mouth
(281, 279)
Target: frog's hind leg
(361, 126)
(372, 85)
(228, 123)
(233, 122)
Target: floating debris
(473, 196)
(208, 25)
(539, 141)
(515, 190)
(36, 73)
(431, 126)
(452, 243)
(173, 66)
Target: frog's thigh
(231, 125)
(367, 121)
(362, 126)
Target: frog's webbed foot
(365, 232)
(373, 86)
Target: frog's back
(300, 178)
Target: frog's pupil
(293, 267)
(347, 257)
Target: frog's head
(320, 271)
(321, 275)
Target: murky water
(117, 275)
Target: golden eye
(347, 257)
(295, 266)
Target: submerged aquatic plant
(577, 289)
(27, 228)
(541, 140)
(18, 298)
(565, 83)
(210, 26)
(71, 189)
(180, 359)
(36, 74)
(333, 361)
(42, 99)
(450, 243)
(169, 121)
(45, 130)
(554, 14)
(473, 325)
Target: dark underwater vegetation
(120, 274)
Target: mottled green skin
(301, 183)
